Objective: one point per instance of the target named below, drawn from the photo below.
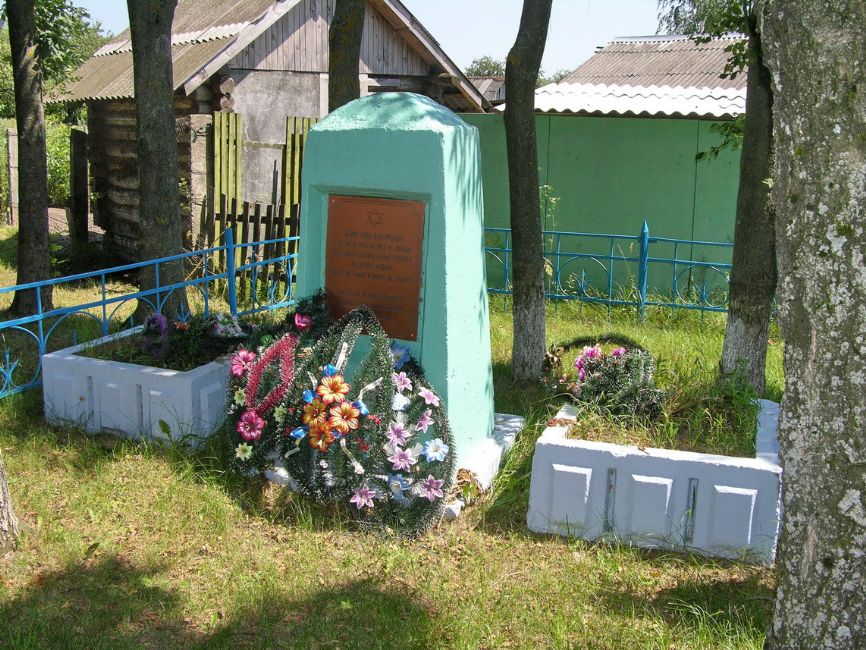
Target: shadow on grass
(110, 603)
(105, 603)
(736, 603)
(360, 614)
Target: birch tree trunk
(521, 75)
(753, 274)
(815, 50)
(159, 194)
(34, 254)
(8, 522)
(344, 52)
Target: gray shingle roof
(659, 61)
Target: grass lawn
(130, 545)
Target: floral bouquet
(620, 380)
(366, 431)
(224, 326)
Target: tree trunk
(159, 197)
(815, 52)
(521, 74)
(34, 253)
(344, 52)
(8, 522)
(753, 274)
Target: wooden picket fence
(228, 129)
(297, 129)
(253, 222)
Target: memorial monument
(392, 217)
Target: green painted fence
(610, 174)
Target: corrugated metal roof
(110, 77)
(659, 61)
(200, 30)
(667, 101)
(199, 21)
(204, 29)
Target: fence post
(642, 268)
(231, 273)
(78, 188)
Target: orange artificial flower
(333, 389)
(315, 413)
(344, 417)
(321, 437)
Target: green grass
(132, 545)
(701, 413)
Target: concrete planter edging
(98, 394)
(715, 505)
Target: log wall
(114, 169)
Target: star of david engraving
(374, 217)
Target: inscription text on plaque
(373, 257)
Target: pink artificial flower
(581, 374)
(431, 488)
(424, 421)
(397, 434)
(591, 352)
(250, 425)
(402, 459)
(401, 382)
(242, 361)
(303, 322)
(430, 398)
(618, 352)
(363, 497)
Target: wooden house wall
(298, 42)
(113, 154)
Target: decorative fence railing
(256, 276)
(243, 273)
(625, 270)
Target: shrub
(57, 149)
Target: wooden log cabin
(265, 60)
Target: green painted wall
(610, 174)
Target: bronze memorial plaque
(373, 257)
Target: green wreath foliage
(278, 405)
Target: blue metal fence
(203, 276)
(624, 270)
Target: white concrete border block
(126, 398)
(484, 458)
(716, 505)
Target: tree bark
(8, 522)
(34, 252)
(815, 51)
(344, 52)
(159, 197)
(753, 274)
(521, 74)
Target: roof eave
(255, 29)
(407, 21)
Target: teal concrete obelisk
(408, 147)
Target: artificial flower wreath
(371, 433)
